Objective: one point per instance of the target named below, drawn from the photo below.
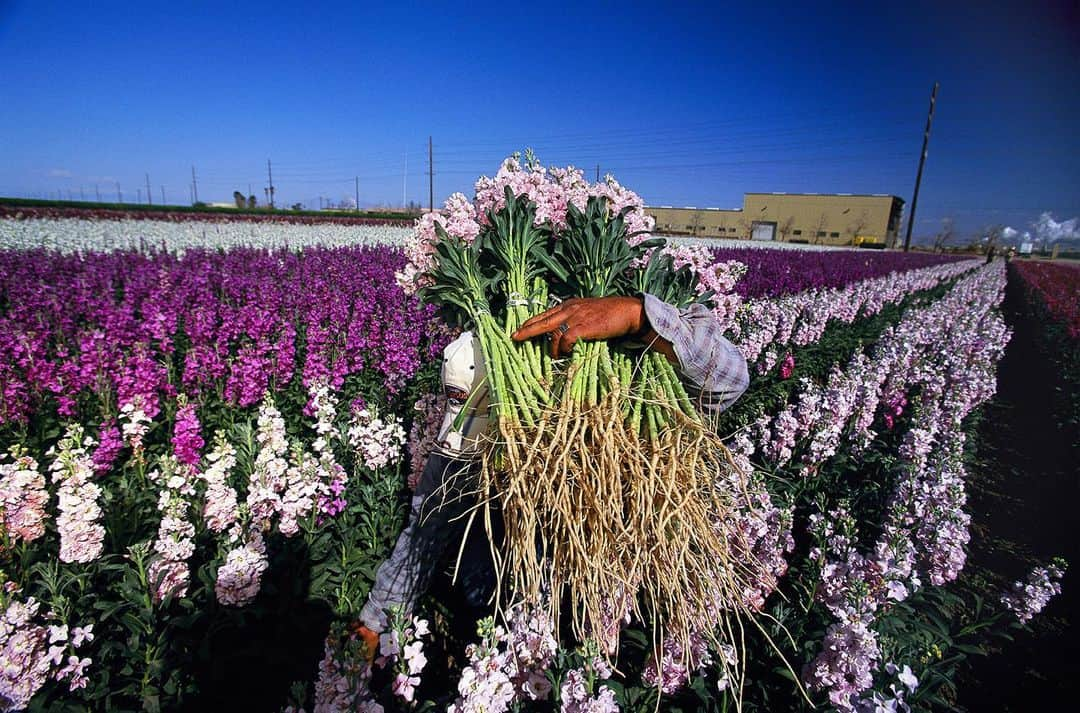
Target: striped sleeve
(711, 365)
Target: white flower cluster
(321, 481)
(175, 544)
(268, 476)
(79, 526)
(220, 507)
(376, 440)
(240, 578)
(1029, 597)
(303, 485)
(508, 664)
(135, 425)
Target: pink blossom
(240, 577)
(220, 506)
(23, 498)
(81, 533)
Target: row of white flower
(68, 235)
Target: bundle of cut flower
(612, 487)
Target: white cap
(463, 371)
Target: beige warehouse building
(827, 219)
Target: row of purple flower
(128, 328)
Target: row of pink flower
(951, 364)
(766, 327)
(820, 415)
(121, 328)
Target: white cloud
(1051, 231)
(60, 173)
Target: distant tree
(819, 229)
(695, 223)
(238, 198)
(785, 229)
(991, 237)
(947, 233)
(858, 225)
(251, 202)
(296, 206)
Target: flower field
(210, 437)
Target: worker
(714, 371)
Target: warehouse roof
(845, 195)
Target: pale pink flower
(23, 498)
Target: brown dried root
(619, 524)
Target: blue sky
(687, 103)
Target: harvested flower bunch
(615, 493)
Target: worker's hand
(370, 639)
(587, 318)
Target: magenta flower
(186, 440)
(787, 366)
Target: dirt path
(1025, 503)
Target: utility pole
(149, 194)
(404, 181)
(163, 201)
(97, 193)
(270, 177)
(119, 195)
(430, 176)
(358, 194)
(138, 195)
(922, 161)
(194, 187)
(597, 173)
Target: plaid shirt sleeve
(713, 368)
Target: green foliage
(592, 257)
